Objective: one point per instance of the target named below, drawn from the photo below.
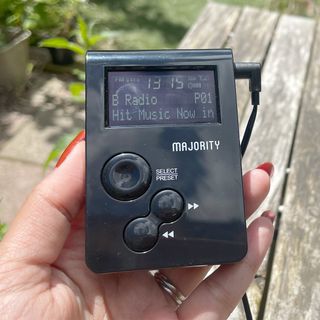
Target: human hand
(43, 274)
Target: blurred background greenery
(3, 229)
(162, 24)
(147, 23)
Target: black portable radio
(163, 159)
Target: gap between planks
(239, 29)
(283, 82)
(295, 271)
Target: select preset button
(126, 176)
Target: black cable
(248, 131)
(251, 71)
(246, 307)
(243, 148)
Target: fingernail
(269, 215)
(80, 137)
(267, 167)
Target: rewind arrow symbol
(168, 234)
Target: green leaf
(57, 150)
(3, 230)
(83, 29)
(62, 43)
(77, 88)
(95, 38)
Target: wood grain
(294, 291)
(282, 87)
(284, 72)
(212, 27)
(250, 41)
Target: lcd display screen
(161, 97)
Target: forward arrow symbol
(193, 206)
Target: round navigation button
(167, 205)
(126, 176)
(141, 234)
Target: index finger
(218, 295)
(256, 187)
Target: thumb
(40, 229)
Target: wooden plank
(212, 28)
(285, 55)
(282, 82)
(294, 291)
(250, 41)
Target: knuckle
(49, 199)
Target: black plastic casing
(213, 233)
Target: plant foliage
(85, 39)
(58, 149)
(43, 17)
(3, 230)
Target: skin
(43, 274)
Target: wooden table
(287, 132)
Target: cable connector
(252, 72)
